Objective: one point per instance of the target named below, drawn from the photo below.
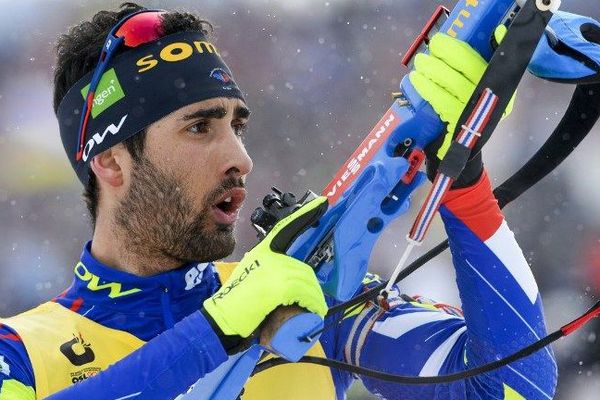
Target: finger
(458, 55)
(445, 105)
(285, 231)
(510, 106)
(315, 305)
(439, 72)
(312, 298)
(500, 32)
(447, 141)
(304, 286)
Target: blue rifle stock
(364, 197)
(369, 191)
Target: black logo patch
(77, 351)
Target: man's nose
(236, 157)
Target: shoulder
(15, 364)
(224, 269)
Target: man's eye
(199, 128)
(240, 129)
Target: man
(157, 147)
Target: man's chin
(225, 228)
(218, 245)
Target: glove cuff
(232, 344)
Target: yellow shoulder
(224, 269)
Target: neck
(117, 249)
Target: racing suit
(119, 336)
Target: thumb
(500, 33)
(285, 231)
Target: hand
(267, 278)
(447, 78)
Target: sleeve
(163, 368)
(16, 373)
(502, 314)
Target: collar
(143, 306)
(99, 284)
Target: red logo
(361, 156)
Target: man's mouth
(226, 208)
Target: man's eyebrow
(241, 112)
(213, 112)
(217, 112)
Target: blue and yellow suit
(112, 335)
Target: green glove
(448, 76)
(267, 278)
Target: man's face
(186, 190)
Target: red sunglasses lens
(141, 28)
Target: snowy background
(318, 75)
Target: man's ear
(109, 166)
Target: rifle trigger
(415, 160)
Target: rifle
(373, 187)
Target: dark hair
(77, 54)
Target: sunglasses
(131, 31)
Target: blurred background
(317, 74)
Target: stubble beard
(157, 221)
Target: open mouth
(227, 207)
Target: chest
(66, 348)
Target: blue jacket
(501, 313)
